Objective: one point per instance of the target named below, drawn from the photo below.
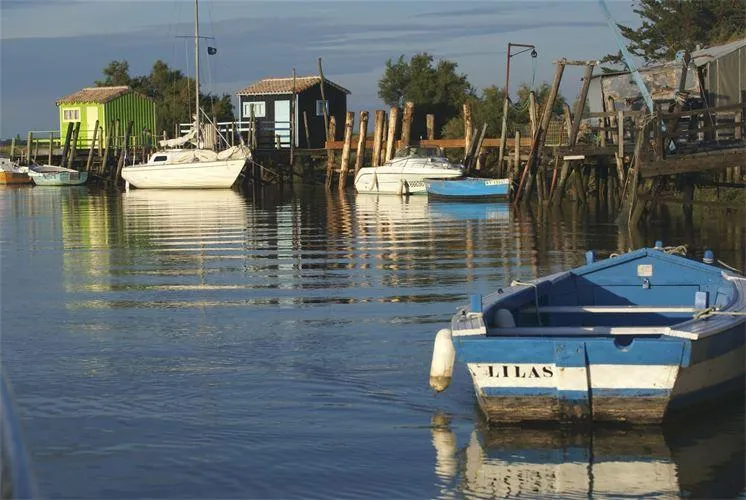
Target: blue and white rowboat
(632, 338)
(469, 188)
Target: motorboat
(406, 172)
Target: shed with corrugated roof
(269, 102)
(107, 105)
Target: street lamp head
(533, 53)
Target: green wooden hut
(107, 105)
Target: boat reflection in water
(702, 457)
(464, 210)
(408, 209)
(197, 225)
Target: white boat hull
(386, 180)
(200, 175)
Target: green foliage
(670, 26)
(172, 91)
(489, 109)
(433, 88)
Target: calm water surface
(211, 344)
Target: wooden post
(51, 148)
(503, 131)
(36, 148)
(467, 128)
(517, 155)
(325, 111)
(573, 137)
(430, 126)
(378, 137)
(12, 148)
(532, 112)
(406, 124)
(614, 136)
(123, 150)
(105, 158)
(345, 164)
(73, 145)
(538, 140)
(393, 117)
(619, 156)
(362, 137)
(92, 148)
(66, 147)
(292, 124)
(30, 140)
(305, 128)
(330, 134)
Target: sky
(52, 48)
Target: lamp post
(526, 48)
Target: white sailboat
(190, 168)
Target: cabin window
(320, 105)
(259, 109)
(160, 158)
(71, 115)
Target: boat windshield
(420, 152)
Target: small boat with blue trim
(51, 175)
(468, 189)
(634, 338)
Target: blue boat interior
(643, 288)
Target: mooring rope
(713, 311)
(680, 250)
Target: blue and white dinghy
(632, 338)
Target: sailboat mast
(196, 70)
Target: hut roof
(100, 95)
(285, 85)
(708, 54)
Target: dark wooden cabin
(270, 101)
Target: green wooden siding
(125, 108)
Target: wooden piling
(619, 155)
(51, 148)
(123, 150)
(516, 156)
(406, 124)
(391, 138)
(331, 134)
(305, 129)
(12, 148)
(29, 141)
(105, 159)
(73, 145)
(532, 112)
(378, 137)
(66, 147)
(467, 128)
(362, 137)
(538, 140)
(92, 148)
(345, 164)
(573, 136)
(503, 130)
(430, 126)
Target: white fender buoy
(444, 356)
(504, 319)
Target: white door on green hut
(282, 123)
